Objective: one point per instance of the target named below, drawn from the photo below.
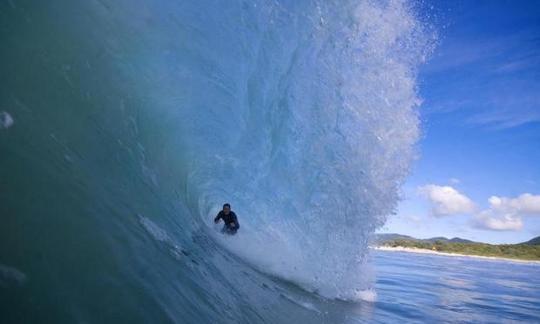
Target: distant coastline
(427, 251)
(526, 252)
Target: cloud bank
(503, 213)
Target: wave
(126, 120)
(313, 139)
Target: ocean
(427, 288)
(125, 125)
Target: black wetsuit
(231, 222)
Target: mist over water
(125, 125)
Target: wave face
(127, 124)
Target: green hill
(534, 241)
(529, 250)
(460, 240)
(385, 237)
(444, 239)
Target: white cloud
(454, 181)
(526, 203)
(490, 220)
(446, 200)
(505, 214)
(414, 218)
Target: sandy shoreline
(425, 251)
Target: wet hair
(227, 205)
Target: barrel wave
(127, 124)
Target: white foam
(368, 295)
(11, 276)
(157, 232)
(6, 121)
(301, 303)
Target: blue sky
(478, 175)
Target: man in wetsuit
(230, 219)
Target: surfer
(230, 219)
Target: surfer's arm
(216, 219)
(236, 225)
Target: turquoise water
(125, 125)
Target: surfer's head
(226, 208)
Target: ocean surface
(413, 287)
(125, 125)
